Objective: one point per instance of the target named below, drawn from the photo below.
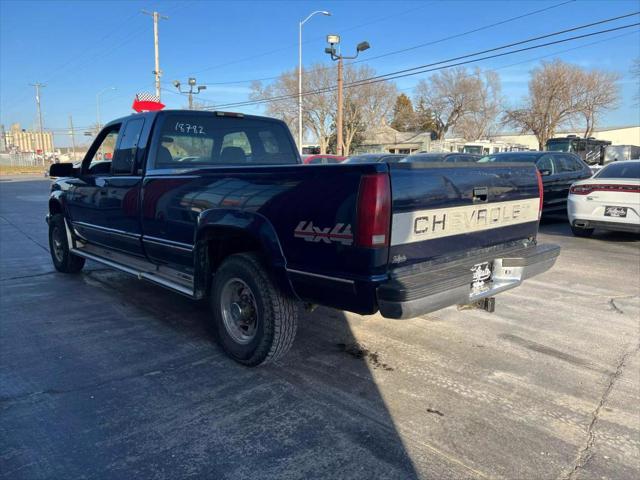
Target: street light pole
(318, 12)
(331, 50)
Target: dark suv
(558, 170)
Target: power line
(540, 57)
(432, 42)
(458, 35)
(424, 68)
(514, 44)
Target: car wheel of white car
(255, 321)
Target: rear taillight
(374, 211)
(541, 192)
(587, 189)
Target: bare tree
(318, 109)
(560, 94)
(286, 107)
(552, 101)
(483, 121)
(449, 95)
(366, 105)
(599, 91)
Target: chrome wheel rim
(58, 246)
(239, 311)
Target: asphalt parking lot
(104, 376)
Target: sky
(80, 48)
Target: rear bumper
(415, 295)
(618, 226)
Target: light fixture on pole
(192, 83)
(333, 40)
(317, 12)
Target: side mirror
(545, 173)
(61, 170)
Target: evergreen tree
(403, 114)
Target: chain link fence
(22, 160)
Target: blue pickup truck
(218, 206)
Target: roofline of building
(560, 132)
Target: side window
(100, 162)
(566, 163)
(576, 165)
(545, 163)
(125, 157)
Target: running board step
(142, 275)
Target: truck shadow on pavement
(132, 380)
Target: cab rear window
(203, 140)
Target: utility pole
(73, 137)
(334, 40)
(37, 85)
(157, 72)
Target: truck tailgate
(442, 212)
(460, 234)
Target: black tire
(63, 259)
(269, 334)
(582, 232)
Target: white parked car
(609, 200)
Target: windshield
(563, 145)
(626, 170)
(363, 159)
(511, 157)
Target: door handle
(480, 194)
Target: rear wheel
(63, 259)
(255, 322)
(581, 232)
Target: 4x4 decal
(340, 233)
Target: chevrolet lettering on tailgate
(444, 222)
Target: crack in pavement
(46, 249)
(28, 276)
(614, 307)
(585, 453)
